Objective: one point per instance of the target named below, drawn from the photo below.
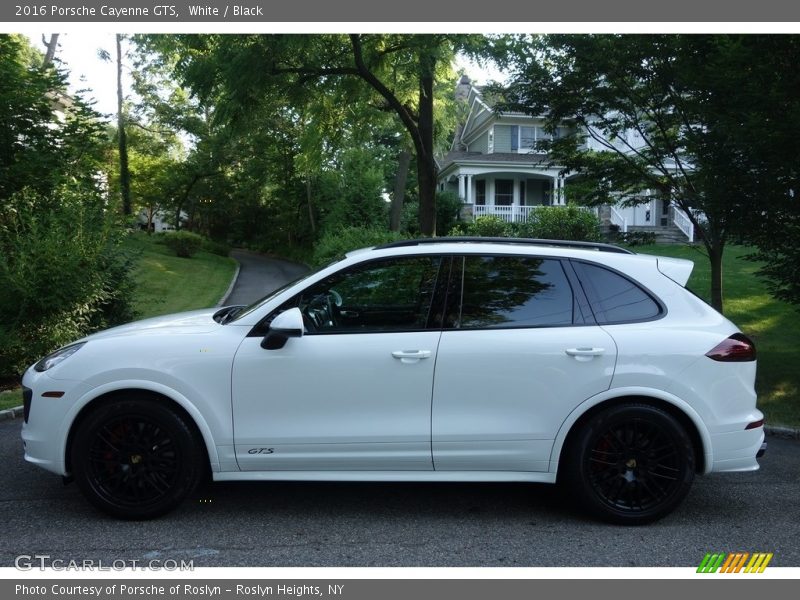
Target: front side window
(514, 291)
(385, 295)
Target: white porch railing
(514, 213)
(683, 223)
(618, 220)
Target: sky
(78, 53)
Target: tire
(630, 464)
(136, 458)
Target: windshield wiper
(226, 314)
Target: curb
(783, 432)
(230, 287)
(10, 413)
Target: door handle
(584, 354)
(411, 356)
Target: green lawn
(167, 284)
(773, 325)
(10, 399)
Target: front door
(354, 392)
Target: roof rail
(505, 240)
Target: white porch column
(562, 199)
(469, 190)
(515, 193)
(461, 187)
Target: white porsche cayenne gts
(452, 359)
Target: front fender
(138, 384)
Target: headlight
(51, 360)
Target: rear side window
(514, 291)
(614, 298)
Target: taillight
(737, 348)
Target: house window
(527, 138)
(522, 199)
(490, 143)
(503, 192)
(514, 138)
(542, 135)
(480, 191)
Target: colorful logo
(734, 562)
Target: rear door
(519, 351)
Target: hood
(196, 321)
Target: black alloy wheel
(136, 458)
(631, 464)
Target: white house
(495, 169)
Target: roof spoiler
(677, 269)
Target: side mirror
(286, 325)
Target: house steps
(669, 234)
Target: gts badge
(261, 451)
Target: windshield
(244, 311)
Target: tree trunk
(311, 218)
(403, 162)
(52, 46)
(715, 257)
(124, 172)
(426, 165)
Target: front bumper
(44, 429)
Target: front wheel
(630, 464)
(136, 458)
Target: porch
(514, 213)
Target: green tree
(61, 274)
(395, 74)
(651, 114)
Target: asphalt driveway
(259, 275)
(401, 524)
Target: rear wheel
(630, 464)
(136, 458)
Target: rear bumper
(762, 451)
(737, 450)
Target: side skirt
(421, 476)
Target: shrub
(488, 226)
(63, 274)
(184, 243)
(561, 223)
(335, 244)
(448, 209)
(219, 248)
(354, 193)
(637, 238)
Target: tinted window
(514, 291)
(614, 298)
(386, 295)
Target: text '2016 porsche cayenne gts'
(454, 359)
